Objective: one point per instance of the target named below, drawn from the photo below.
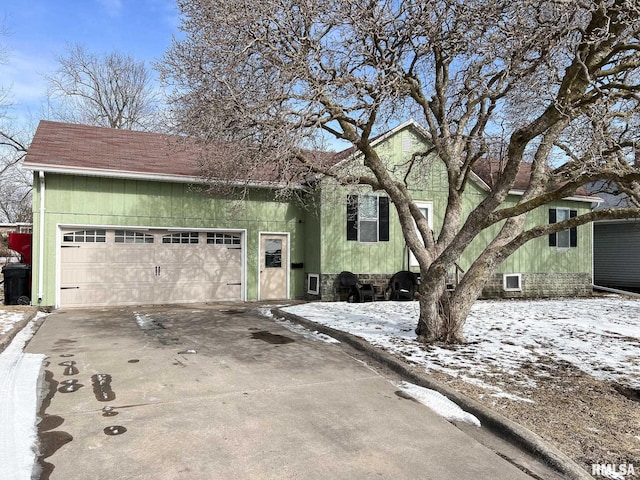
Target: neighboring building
(615, 243)
(7, 255)
(120, 218)
(7, 228)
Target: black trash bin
(17, 284)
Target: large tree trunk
(443, 313)
(439, 319)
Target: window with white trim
(313, 283)
(367, 218)
(565, 238)
(86, 236)
(512, 282)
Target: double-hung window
(566, 238)
(367, 218)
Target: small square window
(512, 282)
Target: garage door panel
(131, 267)
(84, 295)
(78, 274)
(85, 254)
(226, 291)
(132, 295)
(133, 256)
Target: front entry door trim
(274, 260)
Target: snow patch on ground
(438, 403)
(8, 319)
(19, 375)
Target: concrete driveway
(219, 392)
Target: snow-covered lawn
(600, 336)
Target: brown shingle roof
(99, 150)
(489, 171)
(72, 146)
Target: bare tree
(495, 83)
(15, 183)
(113, 90)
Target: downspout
(593, 258)
(41, 241)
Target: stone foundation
(331, 291)
(541, 285)
(534, 285)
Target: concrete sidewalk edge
(499, 424)
(7, 338)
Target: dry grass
(589, 420)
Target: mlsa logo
(612, 470)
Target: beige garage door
(135, 267)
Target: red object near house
(21, 243)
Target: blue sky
(37, 32)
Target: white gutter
(128, 175)
(616, 290)
(590, 199)
(41, 240)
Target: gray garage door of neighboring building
(102, 267)
(615, 252)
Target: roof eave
(129, 175)
(575, 198)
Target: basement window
(313, 284)
(512, 282)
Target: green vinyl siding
(312, 234)
(427, 183)
(77, 200)
(536, 256)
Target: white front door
(274, 266)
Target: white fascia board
(618, 220)
(96, 172)
(572, 199)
